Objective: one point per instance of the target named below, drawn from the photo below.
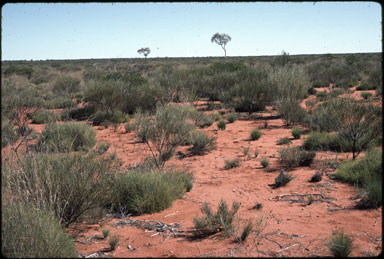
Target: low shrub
(283, 141)
(83, 113)
(336, 92)
(61, 102)
(68, 185)
(102, 148)
(105, 233)
(232, 117)
(340, 244)
(66, 137)
(255, 134)
(8, 134)
(205, 120)
(366, 95)
(282, 179)
(295, 156)
(264, 162)
(245, 233)
(296, 132)
(322, 141)
(365, 86)
(212, 223)
(365, 173)
(201, 143)
(66, 85)
(231, 163)
(34, 233)
(113, 242)
(44, 116)
(221, 125)
(103, 117)
(322, 96)
(139, 192)
(312, 91)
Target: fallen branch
(152, 225)
(288, 247)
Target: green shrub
(164, 131)
(202, 143)
(8, 134)
(232, 117)
(204, 120)
(83, 113)
(322, 141)
(61, 102)
(322, 96)
(264, 162)
(221, 125)
(365, 86)
(336, 92)
(255, 134)
(366, 173)
(113, 242)
(212, 223)
(44, 116)
(102, 148)
(66, 137)
(139, 192)
(105, 233)
(290, 111)
(283, 141)
(19, 70)
(66, 85)
(282, 179)
(295, 156)
(340, 244)
(366, 95)
(69, 185)
(231, 163)
(296, 132)
(245, 233)
(34, 233)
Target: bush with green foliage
(8, 134)
(30, 232)
(296, 132)
(322, 96)
(66, 85)
(365, 86)
(68, 185)
(104, 117)
(83, 113)
(164, 131)
(202, 143)
(283, 141)
(282, 179)
(295, 156)
(19, 70)
(221, 125)
(60, 102)
(366, 95)
(139, 192)
(290, 111)
(212, 223)
(340, 244)
(366, 173)
(232, 117)
(255, 134)
(264, 162)
(102, 147)
(113, 242)
(66, 138)
(45, 116)
(231, 163)
(355, 122)
(323, 141)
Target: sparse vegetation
(295, 156)
(212, 223)
(255, 134)
(340, 244)
(264, 162)
(229, 164)
(296, 132)
(221, 125)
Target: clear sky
(117, 30)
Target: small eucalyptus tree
(222, 40)
(144, 51)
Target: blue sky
(103, 30)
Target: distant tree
(144, 51)
(222, 40)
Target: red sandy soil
(292, 228)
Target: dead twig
(287, 247)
